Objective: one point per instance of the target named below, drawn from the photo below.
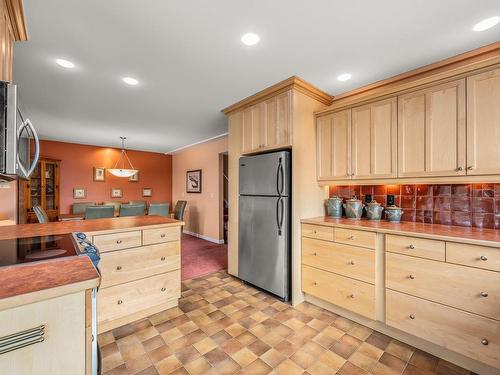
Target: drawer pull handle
(352, 238)
(118, 241)
(484, 342)
(412, 277)
(314, 231)
(315, 283)
(411, 247)
(412, 316)
(484, 294)
(163, 289)
(352, 263)
(118, 268)
(120, 302)
(350, 296)
(483, 258)
(162, 259)
(162, 235)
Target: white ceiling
(190, 62)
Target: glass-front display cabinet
(42, 189)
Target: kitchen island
(47, 304)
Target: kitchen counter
(87, 226)
(478, 236)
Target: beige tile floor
(223, 326)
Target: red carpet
(200, 257)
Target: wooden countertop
(478, 236)
(88, 226)
(31, 282)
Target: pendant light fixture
(123, 172)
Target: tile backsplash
(476, 205)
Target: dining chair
(161, 209)
(79, 207)
(99, 212)
(116, 205)
(179, 209)
(142, 203)
(131, 210)
(41, 215)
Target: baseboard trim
(206, 238)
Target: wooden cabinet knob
(485, 342)
(483, 258)
(162, 235)
(412, 277)
(411, 247)
(459, 169)
(315, 283)
(162, 259)
(484, 294)
(351, 295)
(412, 316)
(163, 289)
(118, 241)
(118, 268)
(352, 263)
(470, 168)
(352, 238)
(120, 302)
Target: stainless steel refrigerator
(264, 222)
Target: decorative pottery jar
(334, 207)
(353, 208)
(374, 210)
(393, 213)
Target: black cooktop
(34, 249)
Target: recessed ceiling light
(486, 24)
(130, 81)
(344, 77)
(250, 39)
(65, 63)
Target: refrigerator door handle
(280, 178)
(280, 208)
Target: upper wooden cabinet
(267, 125)
(431, 131)
(358, 143)
(483, 123)
(374, 140)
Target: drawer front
(484, 257)
(355, 237)
(125, 299)
(453, 329)
(122, 266)
(159, 235)
(466, 288)
(118, 241)
(345, 292)
(418, 247)
(317, 231)
(345, 260)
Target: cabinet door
(258, 126)
(333, 146)
(277, 121)
(431, 131)
(246, 134)
(374, 140)
(483, 123)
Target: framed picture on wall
(147, 192)
(193, 181)
(79, 193)
(116, 193)
(134, 177)
(99, 174)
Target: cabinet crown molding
(15, 9)
(293, 82)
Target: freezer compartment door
(266, 174)
(264, 256)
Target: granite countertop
(478, 236)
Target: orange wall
(8, 201)
(202, 210)
(77, 162)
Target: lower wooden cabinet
(350, 294)
(469, 334)
(140, 274)
(63, 349)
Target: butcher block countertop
(115, 224)
(31, 282)
(477, 236)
